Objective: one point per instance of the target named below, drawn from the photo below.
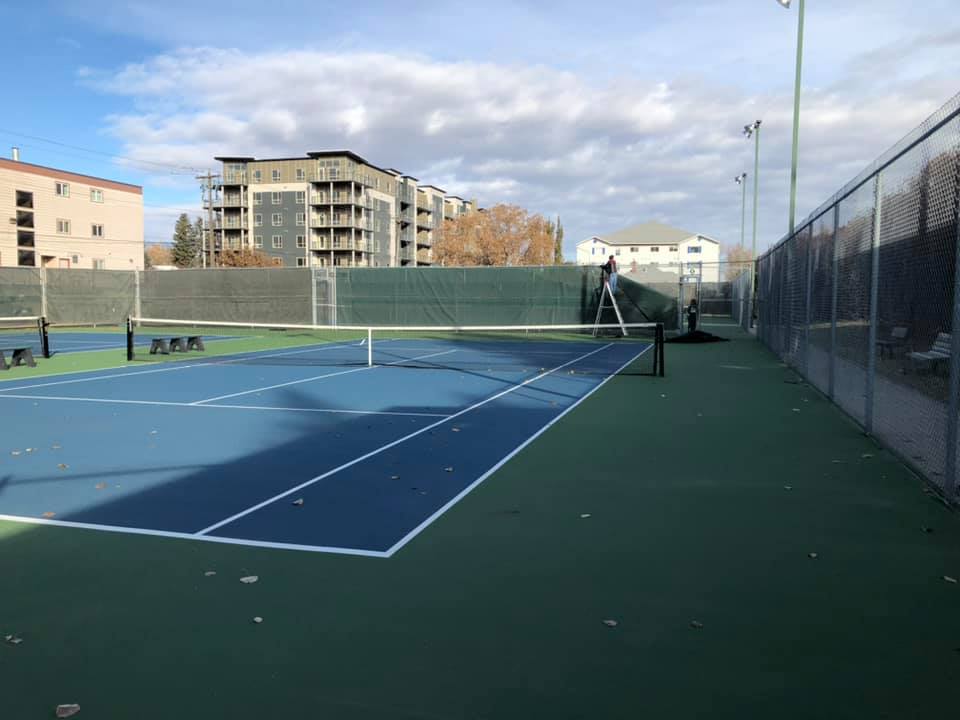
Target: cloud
(602, 152)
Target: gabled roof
(649, 233)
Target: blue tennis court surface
(335, 457)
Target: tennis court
(306, 447)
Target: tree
(157, 254)
(245, 259)
(739, 260)
(185, 246)
(558, 244)
(502, 235)
(197, 235)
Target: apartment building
(330, 208)
(666, 248)
(62, 219)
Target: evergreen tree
(198, 239)
(184, 243)
(558, 244)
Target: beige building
(655, 245)
(329, 209)
(62, 219)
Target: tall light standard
(753, 131)
(741, 180)
(796, 111)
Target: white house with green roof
(654, 244)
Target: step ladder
(604, 294)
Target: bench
(936, 355)
(898, 339)
(18, 356)
(176, 344)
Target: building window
(63, 189)
(277, 261)
(633, 250)
(277, 242)
(257, 199)
(257, 220)
(96, 195)
(301, 197)
(654, 248)
(258, 241)
(275, 175)
(276, 198)
(301, 262)
(618, 252)
(334, 173)
(301, 241)
(25, 238)
(256, 176)
(301, 218)
(276, 219)
(26, 258)
(673, 248)
(24, 199)
(99, 264)
(96, 231)
(694, 250)
(63, 227)
(300, 174)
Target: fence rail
(863, 299)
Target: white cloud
(601, 152)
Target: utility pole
(208, 243)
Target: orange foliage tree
(245, 259)
(501, 235)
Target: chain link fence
(862, 299)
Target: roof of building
(648, 233)
(57, 174)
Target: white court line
(190, 536)
(463, 493)
(389, 445)
(111, 401)
(316, 377)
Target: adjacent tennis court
(318, 446)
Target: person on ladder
(610, 271)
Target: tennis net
(25, 331)
(588, 349)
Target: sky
(605, 114)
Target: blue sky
(606, 113)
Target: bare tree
(739, 260)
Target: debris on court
(30, 450)
(394, 477)
(584, 516)
(49, 514)
(455, 429)
(449, 469)
(15, 452)
(866, 456)
(298, 502)
(153, 432)
(210, 573)
(788, 487)
(696, 625)
(55, 447)
(249, 579)
(63, 466)
(813, 556)
(610, 623)
(258, 620)
(796, 409)
(926, 529)
(951, 580)
(67, 710)
(100, 486)
(12, 639)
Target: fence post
(834, 288)
(43, 292)
(951, 487)
(313, 295)
(874, 294)
(136, 294)
(809, 301)
(781, 315)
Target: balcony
(406, 253)
(424, 257)
(424, 240)
(235, 178)
(425, 222)
(229, 201)
(340, 176)
(343, 221)
(324, 198)
(406, 195)
(229, 223)
(326, 244)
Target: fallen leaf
(449, 469)
(210, 573)
(14, 452)
(796, 409)
(30, 450)
(866, 456)
(394, 477)
(951, 580)
(610, 623)
(258, 620)
(13, 639)
(249, 579)
(63, 466)
(696, 625)
(298, 502)
(49, 514)
(54, 447)
(926, 529)
(584, 516)
(153, 432)
(813, 556)
(100, 486)
(788, 487)
(456, 429)
(68, 710)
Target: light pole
(741, 180)
(753, 130)
(796, 110)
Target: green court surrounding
(707, 492)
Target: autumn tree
(157, 254)
(245, 259)
(739, 260)
(503, 235)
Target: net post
(42, 326)
(369, 347)
(661, 337)
(129, 339)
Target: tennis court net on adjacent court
(591, 349)
(25, 331)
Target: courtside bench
(165, 346)
(18, 356)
